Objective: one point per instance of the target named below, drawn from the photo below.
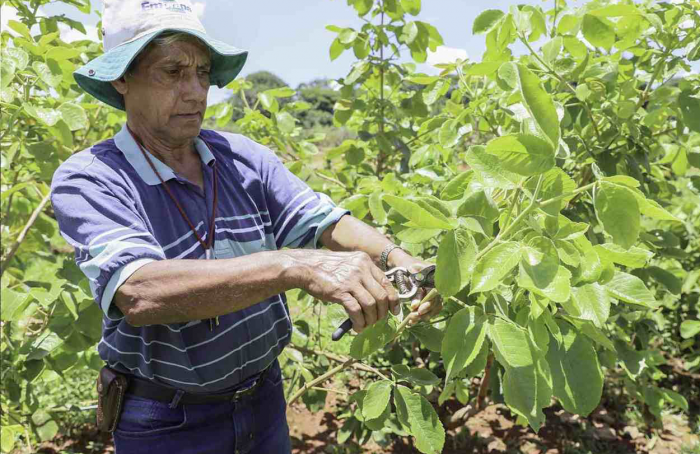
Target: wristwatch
(385, 255)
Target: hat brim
(95, 77)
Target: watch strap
(385, 255)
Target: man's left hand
(425, 311)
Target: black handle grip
(342, 329)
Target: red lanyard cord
(210, 240)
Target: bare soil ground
(608, 430)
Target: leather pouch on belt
(111, 387)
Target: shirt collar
(127, 145)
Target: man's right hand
(350, 279)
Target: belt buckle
(243, 392)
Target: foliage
(49, 323)
(557, 192)
(567, 244)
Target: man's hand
(419, 311)
(350, 279)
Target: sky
(289, 37)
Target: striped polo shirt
(112, 208)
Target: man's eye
(204, 72)
(172, 72)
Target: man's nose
(194, 87)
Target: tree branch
(23, 233)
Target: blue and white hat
(127, 28)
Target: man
(198, 339)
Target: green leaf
(417, 236)
(665, 278)
(376, 207)
(74, 116)
(576, 374)
(485, 68)
(412, 7)
(598, 31)
(590, 302)
(429, 336)
(527, 380)
(46, 427)
(486, 21)
(418, 416)
(450, 133)
(50, 74)
(409, 32)
(480, 204)
(47, 116)
(540, 105)
(20, 28)
(540, 261)
(552, 49)
(690, 328)
(8, 436)
(415, 375)
(652, 209)
(336, 49)
(419, 215)
(373, 338)
(555, 183)
(376, 399)
(457, 186)
(630, 289)
(455, 259)
(634, 257)
(494, 266)
(558, 290)
(690, 108)
(488, 169)
(675, 399)
(13, 303)
(8, 67)
(285, 122)
(463, 339)
(523, 154)
(618, 211)
(435, 91)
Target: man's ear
(121, 85)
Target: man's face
(167, 91)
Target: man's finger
(368, 303)
(393, 302)
(354, 310)
(417, 298)
(379, 294)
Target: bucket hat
(127, 28)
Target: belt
(154, 391)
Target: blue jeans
(257, 424)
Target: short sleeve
(298, 214)
(111, 240)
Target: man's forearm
(177, 291)
(351, 234)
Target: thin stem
(330, 390)
(10, 123)
(349, 362)
(568, 194)
(319, 379)
(510, 209)
(484, 385)
(503, 234)
(331, 179)
(23, 234)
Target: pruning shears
(408, 284)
